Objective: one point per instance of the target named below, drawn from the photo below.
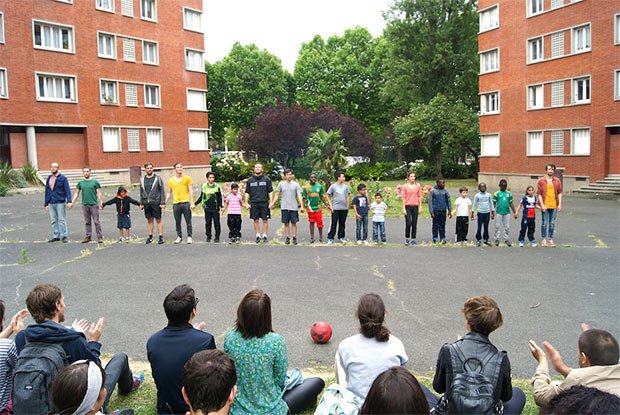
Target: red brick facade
(71, 132)
(550, 100)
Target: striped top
(8, 358)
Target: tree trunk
(438, 173)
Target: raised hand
(95, 330)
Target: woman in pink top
(411, 193)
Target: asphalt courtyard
(544, 293)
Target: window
(129, 50)
(154, 140)
(536, 52)
(105, 5)
(489, 103)
(557, 142)
(617, 84)
(127, 8)
(57, 88)
(151, 96)
(194, 60)
(581, 39)
(148, 10)
(107, 46)
(557, 94)
(131, 95)
(581, 90)
(616, 28)
(489, 61)
(1, 27)
(109, 92)
(489, 145)
(111, 139)
(535, 7)
(535, 96)
(580, 143)
(150, 55)
(133, 139)
(557, 44)
(196, 100)
(198, 140)
(535, 143)
(557, 3)
(4, 85)
(53, 37)
(489, 18)
(192, 20)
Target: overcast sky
(281, 26)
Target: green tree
(326, 153)
(432, 49)
(440, 128)
(241, 84)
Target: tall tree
(241, 84)
(326, 153)
(356, 137)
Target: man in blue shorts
(291, 201)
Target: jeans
(378, 228)
(483, 221)
(117, 371)
(91, 214)
(548, 217)
(411, 221)
(182, 209)
(361, 228)
(462, 228)
(439, 224)
(502, 222)
(58, 219)
(212, 217)
(529, 225)
(339, 219)
(303, 396)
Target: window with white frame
(557, 94)
(535, 143)
(148, 10)
(489, 145)
(109, 92)
(581, 39)
(154, 139)
(57, 88)
(557, 3)
(1, 27)
(557, 142)
(581, 90)
(111, 139)
(196, 100)
(151, 96)
(194, 60)
(617, 84)
(192, 20)
(4, 85)
(489, 103)
(129, 50)
(535, 49)
(198, 139)
(106, 46)
(535, 7)
(489, 18)
(51, 36)
(489, 61)
(131, 95)
(535, 96)
(127, 8)
(617, 29)
(557, 44)
(133, 139)
(105, 5)
(580, 141)
(150, 54)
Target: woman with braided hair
(363, 357)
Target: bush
(230, 168)
(375, 171)
(10, 177)
(4, 189)
(30, 174)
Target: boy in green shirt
(502, 199)
(91, 200)
(313, 195)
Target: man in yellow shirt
(550, 193)
(180, 186)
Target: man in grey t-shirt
(291, 196)
(339, 194)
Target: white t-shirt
(462, 206)
(364, 359)
(378, 211)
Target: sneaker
(551, 243)
(330, 241)
(288, 240)
(413, 242)
(359, 242)
(257, 239)
(178, 240)
(54, 240)
(65, 240)
(544, 242)
(138, 379)
(86, 240)
(320, 240)
(478, 243)
(121, 240)
(160, 241)
(496, 242)
(264, 239)
(533, 244)
(487, 243)
(344, 240)
(216, 241)
(383, 242)
(311, 241)
(190, 240)
(126, 240)
(443, 241)
(521, 244)
(365, 242)
(294, 240)
(208, 240)
(149, 240)
(508, 243)
(434, 240)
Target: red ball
(321, 332)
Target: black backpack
(36, 367)
(473, 384)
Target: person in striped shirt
(8, 356)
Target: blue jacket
(73, 342)
(439, 200)
(61, 192)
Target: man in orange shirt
(180, 187)
(550, 193)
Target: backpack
(473, 384)
(35, 369)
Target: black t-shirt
(259, 188)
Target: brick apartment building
(106, 83)
(549, 90)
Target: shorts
(260, 211)
(290, 216)
(123, 221)
(152, 210)
(316, 217)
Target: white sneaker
(359, 242)
(189, 240)
(178, 240)
(365, 242)
(521, 244)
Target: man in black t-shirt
(258, 192)
(152, 200)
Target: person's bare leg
(320, 233)
(149, 226)
(265, 226)
(256, 227)
(287, 229)
(312, 231)
(160, 227)
(294, 225)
